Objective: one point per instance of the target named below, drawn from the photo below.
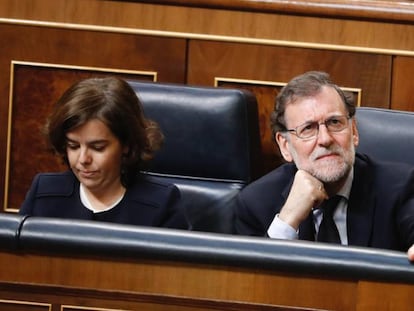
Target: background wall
(45, 45)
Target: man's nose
(324, 135)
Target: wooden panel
(290, 25)
(369, 72)
(381, 296)
(36, 87)
(109, 51)
(196, 283)
(402, 83)
(266, 67)
(371, 9)
(75, 299)
(91, 284)
(265, 93)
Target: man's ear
(283, 143)
(355, 134)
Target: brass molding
(71, 307)
(217, 81)
(26, 303)
(186, 35)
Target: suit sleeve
(28, 204)
(405, 212)
(175, 216)
(246, 222)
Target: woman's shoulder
(55, 183)
(148, 187)
(152, 181)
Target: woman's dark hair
(305, 85)
(112, 101)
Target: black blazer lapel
(361, 205)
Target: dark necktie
(307, 229)
(328, 232)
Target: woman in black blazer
(99, 129)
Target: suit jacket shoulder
(151, 191)
(55, 184)
(147, 202)
(381, 204)
(260, 201)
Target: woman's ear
(283, 144)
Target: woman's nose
(84, 156)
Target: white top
(85, 201)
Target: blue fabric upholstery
(386, 134)
(211, 149)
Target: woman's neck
(102, 200)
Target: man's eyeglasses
(311, 129)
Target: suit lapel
(361, 205)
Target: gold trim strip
(8, 145)
(247, 81)
(184, 35)
(75, 67)
(66, 307)
(271, 83)
(13, 63)
(29, 303)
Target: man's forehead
(312, 108)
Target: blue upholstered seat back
(211, 149)
(210, 132)
(386, 134)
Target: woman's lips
(87, 174)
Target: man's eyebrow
(308, 122)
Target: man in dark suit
(315, 128)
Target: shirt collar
(346, 188)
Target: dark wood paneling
(364, 10)
(36, 87)
(164, 285)
(270, 153)
(31, 297)
(402, 83)
(372, 24)
(264, 65)
(164, 56)
(104, 282)
(369, 72)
